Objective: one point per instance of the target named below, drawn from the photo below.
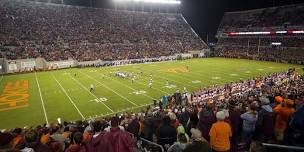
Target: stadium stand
(266, 109)
(272, 34)
(59, 32)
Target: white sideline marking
(132, 89)
(109, 89)
(260, 69)
(41, 99)
(90, 92)
(233, 74)
(69, 97)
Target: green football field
(37, 98)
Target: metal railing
(150, 146)
(285, 147)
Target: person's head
(77, 138)
(31, 136)
(220, 116)
(253, 106)
(114, 122)
(196, 135)
(17, 131)
(264, 100)
(166, 120)
(96, 126)
(289, 102)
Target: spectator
(98, 142)
(284, 110)
(206, 119)
(249, 121)
(266, 121)
(198, 143)
(32, 143)
(119, 140)
(166, 133)
(180, 145)
(76, 144)
(220, 134)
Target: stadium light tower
(152, 1)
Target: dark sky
(205, 15)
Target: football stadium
(146, 76)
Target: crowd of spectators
(287, 49)
(233, 117)
(282, 16)
(59, 32)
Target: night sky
(205, 15)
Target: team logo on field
(176, 70)
(15, 95)
(138, 92)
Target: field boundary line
(41, 99)
(68, 97)
(130, 87)
(90, 93)
(110, 89)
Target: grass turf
(67, 96)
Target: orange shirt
(45, 138)
(283, 114)
(16, 141)
(220, 134)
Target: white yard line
(42, 101)
(110, 89)
(90, 92)
(68, 97)
(131, 88)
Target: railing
(283, 147)
(150, 146)
(147, 145)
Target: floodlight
(152, 1)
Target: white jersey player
(91, 88)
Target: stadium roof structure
(152, 1)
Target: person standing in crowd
(98, 142)
(266, 121)
(235, 121)
(220, 134)
(119, 140)
(249, 120)
(32, 143)
(76, 144)
(294, 135)
(198, 143)
(166, 133)
(283, 111)
(206, 119)
(180, 145)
